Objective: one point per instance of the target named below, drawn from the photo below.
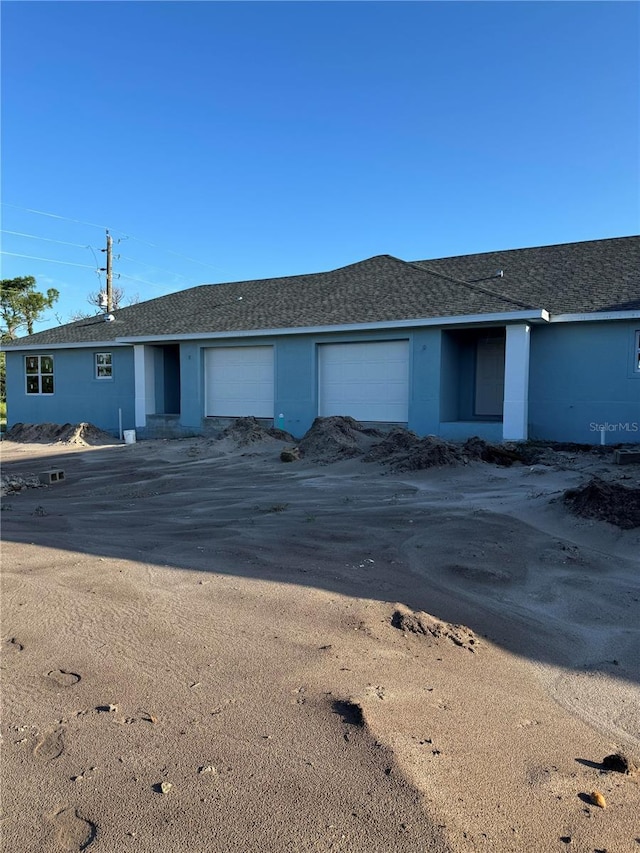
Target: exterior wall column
(141, 390)
(515, 411)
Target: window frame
(37, 371)
(636, 352)
(105, 365)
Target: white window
(636, 358)
(39, 374)
(104, 366)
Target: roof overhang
(505, 318)
(84, 345)
(597, 316)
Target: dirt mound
(417, 622)
(478, 448)
(402, 450)
(246, 431)
(335, 438)
(395, 445)
(619, 505)
(85, 434)
(82, 434)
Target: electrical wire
(48, 239)
(52, 215)
(113, 230)
(140, 280)
(152, 267)
(48, 260)
(171, 252)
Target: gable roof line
(588, 277)
(471, 285)
(539, 316)
(499, 317)
(520, 249)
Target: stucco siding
(424, 381)
(582, 377)
(296, 387)
(78, 395)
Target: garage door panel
(368, 381)
(239, 382)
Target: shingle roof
(592, 276)
(597, 275)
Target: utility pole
(107, 269)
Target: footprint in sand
(51, 746)
(63, 678)
(74, 832)
(15, 644)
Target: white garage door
(239, 382)
(368, 381)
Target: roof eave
(75, 345)
(537, 316)
(596, 316)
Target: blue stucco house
(540, 343)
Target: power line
(51, 215)
(84, 266)
(118, 230)
(48, 239)
(151, 266)
(48, 260)
(85, 246)
(171, 252)
(140, 280)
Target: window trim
(40, 374)
(104, 365)
(636, 352)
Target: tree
(99, 299)
(21, 305)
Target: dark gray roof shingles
(599, 275)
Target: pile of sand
(403, 450)
(83, 434)
(426, 625)
(336, 438)
(496, 454)
(395, 445)
(246, 431)
(619, 505)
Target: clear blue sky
(264, 139)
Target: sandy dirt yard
(208, 650)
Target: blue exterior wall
(582, 377)
(78, 396)
(191, 385)
(424, 381)
(296, 378)
(296, 387)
